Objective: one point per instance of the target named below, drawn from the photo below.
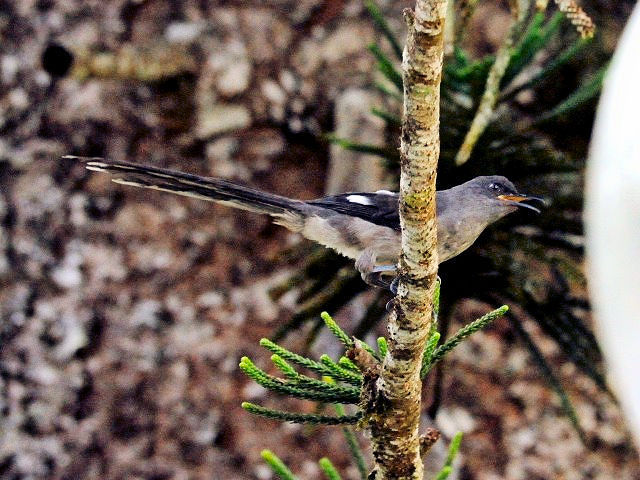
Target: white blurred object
(612, 216)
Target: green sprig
(444, 473)
(427, 358)
(308, 418)
(579, 97)
(388, 117)
(466, 331)
(336, 371)
(280, 386)
(447, 468)
(354, 447)
(379, 150)
(328, 469)
(383, 348)
(340, 334)
(303, 381)
(317, 367)
(547, 372)
(344, 362)
(277, 465)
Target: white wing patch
(384, 192)
(360, 199)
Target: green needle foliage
(340, 384)
(352, 442)
(344, 362)
(433, 353)
(299, 389)
(385, 65)
(329, 470)
(567, 406)
(382, 346)
(447, 468)
(279, 468)
(356, 452)
(320, 368)
(308, 418)
(466, 331)
(336, 330)
(577, 99)
(427, 359)
(277, 465)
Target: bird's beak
(519, 200)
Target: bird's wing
(380, 208)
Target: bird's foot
(394, 285)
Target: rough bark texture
(395, 424)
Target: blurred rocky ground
(124, 313)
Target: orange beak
(518, 199)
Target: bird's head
(499, 196)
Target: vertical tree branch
(395, 407)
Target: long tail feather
(211, 189)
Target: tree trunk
(395, 406)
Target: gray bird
(361, 226)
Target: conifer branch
(352, 442)
(444, 473)
(386, 66)
(308, 418)
(382, 87)
(320, 368)
(382, 346)
(303, 381)
(340, 334)
(447, 468)
(388, 117)
(280, 386)
(565, 56)
(454, 447)
(356, 452)
(344, 362)
(378, 150)
(544, 367)
(465, 332)
(584, 93)
(336, 371)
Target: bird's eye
(496, 187)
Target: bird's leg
(373, 273)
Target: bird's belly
(349, 236)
